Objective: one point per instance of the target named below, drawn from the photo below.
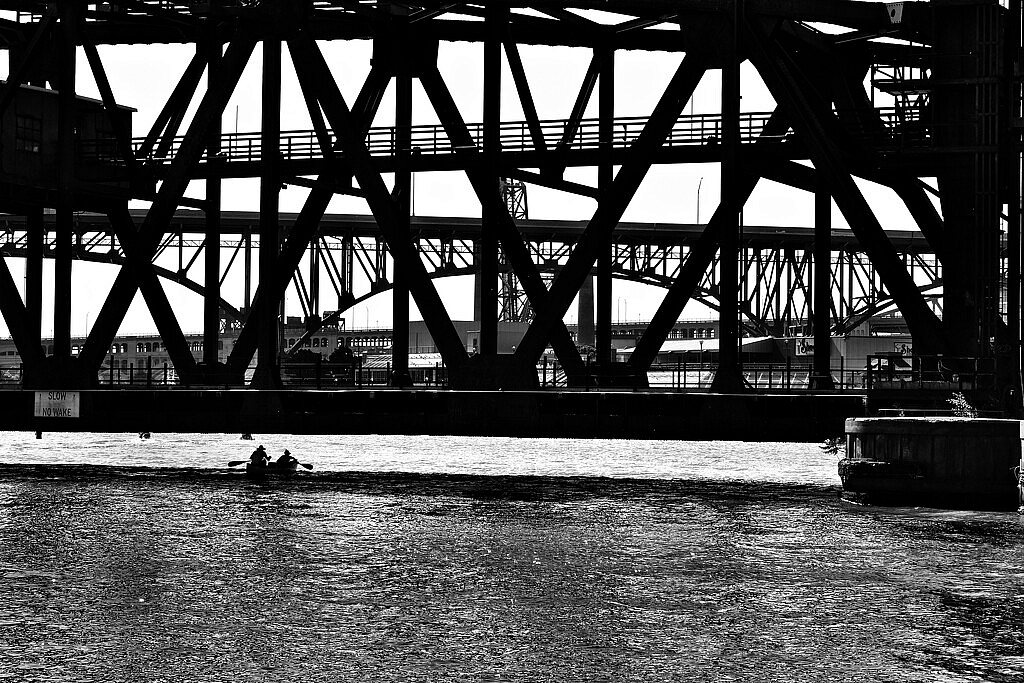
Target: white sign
(805, 346)
(57, 404)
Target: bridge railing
(900, 127)
(930, 373)
(767, 377)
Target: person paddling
(259, 457)
(287, 461)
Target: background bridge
(349, 263)
(921, 98)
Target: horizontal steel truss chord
(776, 277)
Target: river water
(474, 559)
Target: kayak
(271, 470)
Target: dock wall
(638, 415)
(948, 462)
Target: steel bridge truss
(347, 264)
(951, 111)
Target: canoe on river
(271, 470)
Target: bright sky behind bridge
(143, 76)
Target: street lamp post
(699, 182)
(700, 363)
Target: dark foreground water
(409, 559)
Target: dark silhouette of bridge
(945, 140)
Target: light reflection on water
(675, 570)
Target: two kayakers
(260, 458)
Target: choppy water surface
(463, 559)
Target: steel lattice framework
(349, 254)
(951, 112)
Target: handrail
(900, 127)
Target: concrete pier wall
(597, 414)
(947, 462)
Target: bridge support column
(491, 210)
(212, 367)
(66, 101)
(585, 309)
(605, 176)
(966, 106)
(34, 275)
(729, 376)
(821, 377)
(403, 187)
(268, 373)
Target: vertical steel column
(266, 364)
(66, 55)
(247, 259)
(729, 377)
(1011, 146)
(314, 277)
(34, 274)
(403, 190)
(585, 314)
(211, 298)
(965, 109)
(495, 22)
(606, 119)
(821, 377)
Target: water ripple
(141, 573)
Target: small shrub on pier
(961, 407)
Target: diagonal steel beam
(779, 74)
(609, 211)
(404, 253)
(582, 99)
(306, 223)
(121, 133)
(910, 190)
(515, 63)
(17, 77)
(160, 213)
(16, 316)
(512, 244)
(153, 292)
(177, 102)
(701, 256)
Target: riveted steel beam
(598, 232)
(308, 221)
(447, 340)
(511, 241)
(780, 75)
(160, 213)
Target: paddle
(233, 463)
